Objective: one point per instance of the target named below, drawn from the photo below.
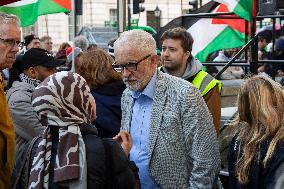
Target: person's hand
(125, 140)
(280, 73)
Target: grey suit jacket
(183, 150)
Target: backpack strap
(30, 158)
(108, 163)
(25, 164)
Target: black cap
(28, 39)
(39, 57)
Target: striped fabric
(63, 100)
(24, 78)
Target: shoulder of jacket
(126, 94)
(19, 93)
(177, 84)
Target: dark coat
(107, 165)
(99, 171)
(260, 177)
(108, 105)
(96, 167)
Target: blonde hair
(261, 110)
(96, 67)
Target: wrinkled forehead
(128, 54)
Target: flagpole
(121, 15)
(73, 36)
(254, 49)
(46, 24)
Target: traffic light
(194, 4)
(78, 7)
(137, 7)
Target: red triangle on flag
(236, 24)
(64, 3)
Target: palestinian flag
(214, 34)
(242, 8)
(29, 10)
(211, 34)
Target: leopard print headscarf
(62, 100)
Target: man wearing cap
(36, 65)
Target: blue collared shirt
(140, 126)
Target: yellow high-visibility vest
(205, 82)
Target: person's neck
(27, 73)
(177, 72)
(149, 79)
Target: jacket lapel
(128, 114)
(157, 112)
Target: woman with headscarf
(70, 155)
(256, 154)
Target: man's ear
(155, 59)
(188, 54)
(31, 72)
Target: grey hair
(81, 42)
(9, 19)
(44, 38)
(136, 39)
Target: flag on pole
(242, 8)
(28, 10)
(214, 34)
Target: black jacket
(108, 107)
(107, 165)
(260, 177)
(101, 173)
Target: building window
(153, 21)
(112, 16)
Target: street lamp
(157, 11)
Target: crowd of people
(128, 118)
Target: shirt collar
(149, 89)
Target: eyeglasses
(131, 66)
(11, 42)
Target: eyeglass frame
(129, 63)
(11, 42)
